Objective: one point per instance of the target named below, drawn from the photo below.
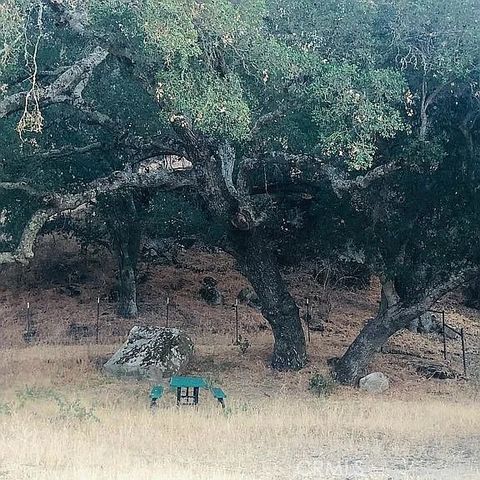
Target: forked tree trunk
(259, 264)
(391, 318)
(227, 206)
(394, 315)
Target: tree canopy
(347, 125)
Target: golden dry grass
(62, 419)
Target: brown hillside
(62, 286)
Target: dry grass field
(60, 418)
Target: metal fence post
(29, 326)
(308, 320)
(97, 323)
(463, 352)
(168, 312)
(237, 326)
(444, 337)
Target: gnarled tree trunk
(258, 263)
(394, 315)
(229, 206)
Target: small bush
(243, 345)
(321, 385)
(5, 409)
(67, 410)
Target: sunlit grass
(61, 419)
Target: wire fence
(30, 331)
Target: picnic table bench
(187, 391)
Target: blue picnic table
(188, 391)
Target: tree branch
(458, 278)
(69, 202)
(20, 186)
(67, 87)
(280, 168)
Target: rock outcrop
(153, 353)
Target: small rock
(153, 353)
(247, 296)
(376, 382)
(429, 323)
(210, 292)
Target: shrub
(321, 385)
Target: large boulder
(153, 353)
(376, 382)
(430, 322)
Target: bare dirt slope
(62, 287)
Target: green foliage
(11, 34)
(67, 410)
(200, 52)
(217, 105)
(437, 38)
(356, 108)
(321, 385)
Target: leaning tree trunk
(394, 315)
(258, 263)
(391, 318)
(125, 231)
(353, 365)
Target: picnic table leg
(222, 402)
(195, 395)
(179, 395)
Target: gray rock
(376, 382)
(426, 323)
(247, 296)
(210, 292)
(430, 323)
(152, 352)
